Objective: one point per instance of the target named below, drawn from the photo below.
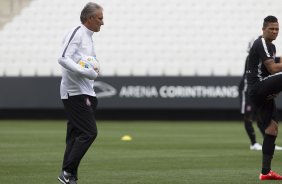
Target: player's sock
(266, 164)
(250, 131)
(268, 148)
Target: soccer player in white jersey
(77, 91)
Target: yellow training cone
(126, 138)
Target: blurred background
(173, 59)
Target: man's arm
(67, 62)
(273, 67)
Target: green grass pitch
(160, 153)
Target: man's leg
(70, 138)
(250, 129)
(268, 146)
(82, 118)
(248, 123)
(269, 123)
(266, 111)
(260, 128)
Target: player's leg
(266, 113)
(268, 148)
(250, 130)
(85, 126)
(70, 139)
(71, 135)
(248, 124)
(247, 110)
(269, 89)
(277, 148)
(267, 118)
(260, 128)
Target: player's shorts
(246, 104)
(265, 112)
(260, 95)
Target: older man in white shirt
(77, 91)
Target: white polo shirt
(77, 80)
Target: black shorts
(260, 95)
(246, 104)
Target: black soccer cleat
(66, 178)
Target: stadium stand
(139, 38)
(8, 9)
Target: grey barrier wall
(168, 92)
(128, 93)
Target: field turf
(160, 153)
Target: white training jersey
(77, 80)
